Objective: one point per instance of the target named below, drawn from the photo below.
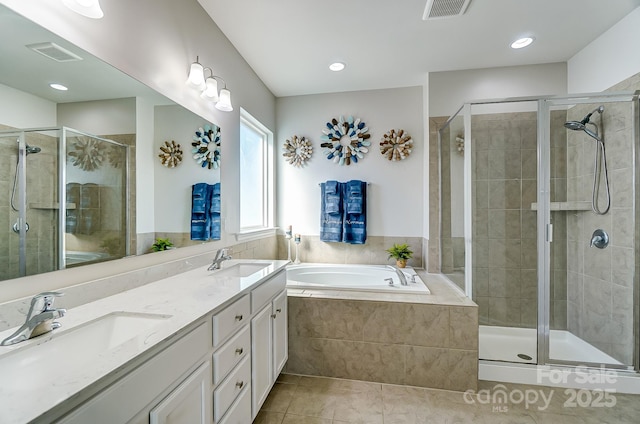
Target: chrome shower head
(32, 149)
(582, 125)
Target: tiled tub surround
(417, 340)
(373, 252)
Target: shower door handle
(550, 233)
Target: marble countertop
(183, 299)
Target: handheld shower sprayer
(582, 125)
(600, 162)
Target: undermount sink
(240, 270)
(50, 357)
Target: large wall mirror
(70, 159)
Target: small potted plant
(162, 244)
(401, 253)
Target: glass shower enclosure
(59, 213)
(539, 226)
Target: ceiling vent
(54, 52)
(437, 9)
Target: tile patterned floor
(317, 400)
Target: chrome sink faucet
(40, 319)
(222, 255)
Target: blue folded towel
(333, 197)
(214, 212)
(199, 198)
(331, 211)
(353, 197)
(214, 193)
(200, 224)
(354, 229)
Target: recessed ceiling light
(521, 42)
(57, 86)
(337, 66)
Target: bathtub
(368, 278)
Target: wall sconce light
(209, 86)
(89, 8)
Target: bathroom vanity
(199, 347)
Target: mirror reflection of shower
(28, 150)
(600, 160)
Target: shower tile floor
(298, 399)
(506, 343)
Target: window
(256, 175)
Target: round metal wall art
(297, 151)
(206, 147)
(171, 154)
(87, 153)
(396, 145)
(345, 141)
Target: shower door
(28, 209)
(588, 242)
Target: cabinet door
(188, 403)
(261, 358)
(280, 339)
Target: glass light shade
(89, 8)
(196, 76)
(224, 104)
(211, 90)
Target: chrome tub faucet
(222, 255)
(40, 319)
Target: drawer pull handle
(273, 316)
(239, 317)
(240, 384)
(239, 351)
(278, 310)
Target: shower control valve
(599, 239)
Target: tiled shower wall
(600, 281)
(505, 244)
(42, 212)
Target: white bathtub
(370, 278)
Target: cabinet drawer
(265, 291)
(230, 319)
(230, 354)
(228, 391)
(240, 411)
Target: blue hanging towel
(355, 212)
(73, 197)
(214, 211)
(200, 227)
(331, 211)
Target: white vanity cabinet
(176, 379)
(268, 337)
(219, 370)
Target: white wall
(100, 117)
(154, 41)
(173, 207)
(607, 60)
(449, 90)
(395, 193)
(23, 110)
